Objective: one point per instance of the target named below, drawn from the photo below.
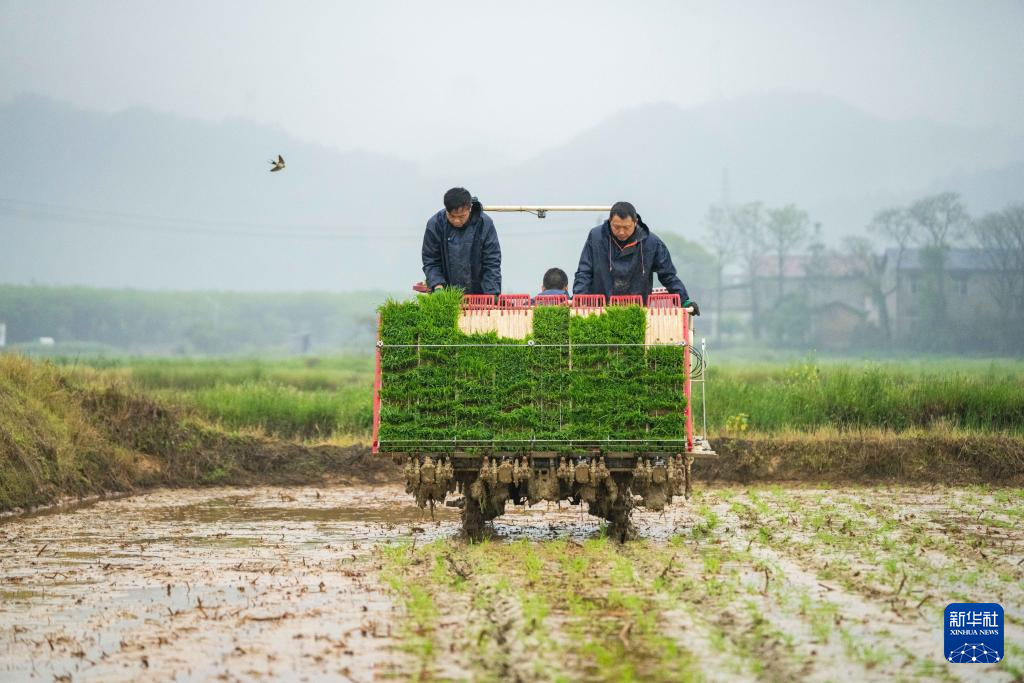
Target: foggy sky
(474, 85)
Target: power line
(60, 213)
(95, 221)
(152, 217)
(63, 214)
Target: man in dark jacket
(460, 247)
(621, 257)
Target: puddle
(248, 511)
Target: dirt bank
(919, 456)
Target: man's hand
(692, 304)
(437, 287)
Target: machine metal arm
(542, 211)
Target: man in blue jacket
(460, 247)
(621, 257)
(555, 283)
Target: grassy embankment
(945, 420)
(73, 430)
(330, 397)
(974, 396)
(922, 421)
(940, 420)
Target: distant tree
(693, 262)
(787, 228)
(790, 321)
(202, 322)
(941, 218)
(820, 261)
(938, 221)
(749, 221)
(685, 251)
(895, 225)
(1001, 236)
(870, 266)
(722, 235)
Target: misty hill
(146, 199)
(835, 160)
(987, 190)
(131, 199)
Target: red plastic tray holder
(551, 300)
(477, 302)
(663, 300)
(514, 301)
(626, 300)
(588, 301)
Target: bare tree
(787, 228)
(1001, 237)
(870, 266)
(941, 218)
(749, 220)
(722, 236)
(896, 226)
(938, 220)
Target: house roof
(839, 306)
(956, 259)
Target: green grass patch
(287, 411)
(806, 396)
(300, 398)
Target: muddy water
(283, 584)
(198, 585)
(236, 584)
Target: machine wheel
(616, 512)
(620, 526)
(479, 507)
(472, 520)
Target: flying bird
(278, 165)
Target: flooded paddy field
(356, 583)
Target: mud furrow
(883, 628)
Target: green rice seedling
(822, 616)
(865, 652)
(708, 523)
(576, 378)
